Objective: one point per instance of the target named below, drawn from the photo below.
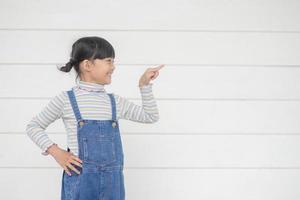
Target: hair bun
(72, 61)
(68, 66)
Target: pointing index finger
(159, 67)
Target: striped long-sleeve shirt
(94, 103)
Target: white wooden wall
(229, 95)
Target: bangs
(103, 49)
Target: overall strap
(113, 106)
(74, 104)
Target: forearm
(37, 134)
(35, 129)
(147, 113)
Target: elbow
(153, 118)
(156, 118)
(31, 128)
(28, 129)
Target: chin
(108, 82)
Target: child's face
(101, 70)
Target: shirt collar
(91, 87)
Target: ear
(87, 65)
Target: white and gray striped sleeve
(147, 113)
(36, 127)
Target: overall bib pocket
(99, 150)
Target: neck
(91, 86)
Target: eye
(110, 60)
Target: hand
(65, 159)
(149, 74)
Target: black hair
(90, 48)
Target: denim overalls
(100, 149)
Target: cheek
(100, 72)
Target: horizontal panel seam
(181, 168)
(163, 134)
(153, 30)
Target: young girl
(94, 157)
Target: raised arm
(147, 113)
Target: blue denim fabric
(100, 148)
